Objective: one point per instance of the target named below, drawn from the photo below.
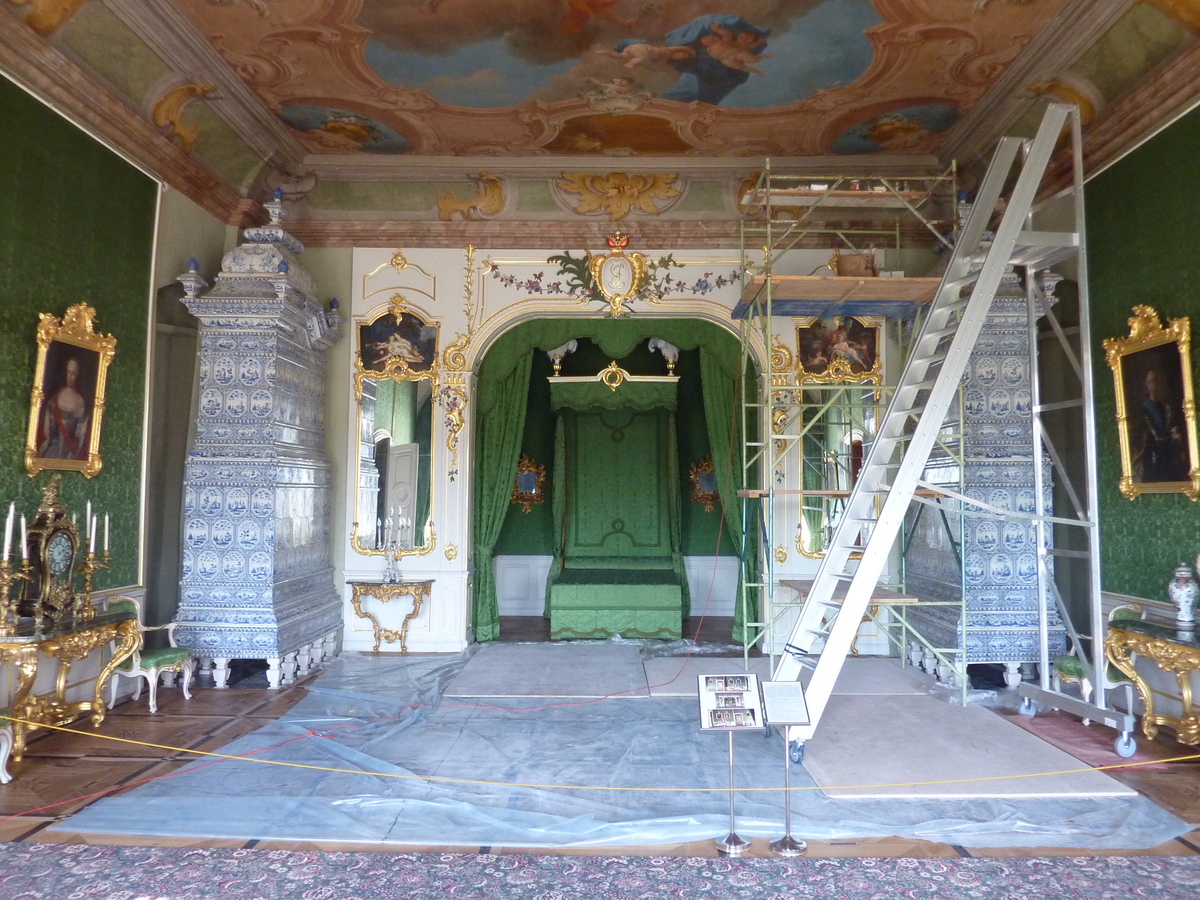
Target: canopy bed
(614, 476)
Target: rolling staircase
(891, 474)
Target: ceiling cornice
(1058, 46)
(72, 91)
(169, 33)
(645, 235)
(1169, 92)
(364, 167)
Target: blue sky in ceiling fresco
(730, 57)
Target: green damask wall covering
(76, 225)
(1143, 220)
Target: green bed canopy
(501, 401)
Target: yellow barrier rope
(585, 787)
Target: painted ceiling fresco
(619, 77)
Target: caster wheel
(1126, 746)
(1028, 707)
(796, 751)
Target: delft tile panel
(257, 580)
(999, 568)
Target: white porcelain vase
(1184, 591)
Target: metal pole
(787, 845)
(731, 844)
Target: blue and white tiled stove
(998, 574)
(257, 577)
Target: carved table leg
(129, 638)
(26, 660)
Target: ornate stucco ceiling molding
(1135, 118)
(1064, 39)
(618, 195)
(68, 88)
(646, 234)
(166, 31)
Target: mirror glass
(527, 482)
(839, 421)
(395, 381)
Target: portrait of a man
(1156, 424)
(1157, 429)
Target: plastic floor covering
(378, 755)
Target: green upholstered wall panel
(1143, 219)
(76, 225)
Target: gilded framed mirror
(395, 383)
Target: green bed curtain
(720, 409)
(500, 425)
(812, 477)
(675, 516)
(558, 503)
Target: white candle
(87, 518)
(8, 527)
(92, 535)
(24, 540)
(106, 532)
(74, 524)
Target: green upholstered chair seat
(1072, 667)
(160, 658)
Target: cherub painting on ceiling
(503, 53)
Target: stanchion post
(731, 844)
(787, 845)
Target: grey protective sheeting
(379, 721)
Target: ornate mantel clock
(52, 543)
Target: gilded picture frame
(703, 477)
(66, 406)
(1156, 406)
(843, 349)
(529, 485)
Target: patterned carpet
(44, 871)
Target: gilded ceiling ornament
(397, 262)
(617, 194)
(487, 203)
(1071, 88)
(168, 113)
(47, 16)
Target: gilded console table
(66, 642)
(1172, 651)
(417, 590)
